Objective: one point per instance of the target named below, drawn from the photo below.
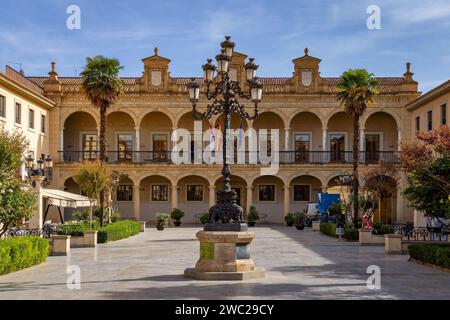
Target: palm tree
(102, 86)
(357, 89)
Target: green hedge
(437, 254)
(118, 230)
(22, 252)
(328, 228)
(351, 233)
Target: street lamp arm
(236, 88)
(212, 109)
(240, 110)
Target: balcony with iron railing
(244, 157)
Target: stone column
(287, 154)
(37, 220)
(137, 155)
(249, 201)
(399, 138)
(61, 145)
(174, 198)
(136, 202)
(287, 199)
(212, 195)
(362, 135)
(324, 144)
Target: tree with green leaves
(103, 87)
(427, 164)
(357, 89)
(17, 200)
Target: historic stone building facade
(315, 139)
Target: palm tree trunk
(103, 109)
(355, 180)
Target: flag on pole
(219, 129)
(240, 134)
(212, 137)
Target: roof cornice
(429, 96)
(25, 92)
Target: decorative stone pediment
(156, 74)
(306, 73)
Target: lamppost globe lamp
(222, 62)
(49, 162)
(250, 69)
(226, 214)
(208, 71)
(256, 90)
(41, 169)
(194, 90)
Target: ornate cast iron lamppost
(42, 170)
(226, 215)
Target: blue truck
(324, 201)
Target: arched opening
(335, 186)
(340, 137)
(239, 185)
(80, 137)
(193, 197)
(306, 137)
(303, 190)
(270, 120)
(387, 199)
(381, 137)
(268, 195)
(155, 196)
(120, 137)
(155, 134)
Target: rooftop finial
(53, 66)
(408, 67)
(156, 51)
(306, 51)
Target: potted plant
(289, 219)
(299, 220)
(162, 220)
(204, 218)
(252, 216)
(176, 216)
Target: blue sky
(273, 31)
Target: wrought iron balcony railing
(244, 157)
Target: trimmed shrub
(71, 229)
(328, 228)
(351, 233)
(119, 230)
(380, 229)
(22, 252)
(437, 254)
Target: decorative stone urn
(225, 255)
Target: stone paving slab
(299, 265)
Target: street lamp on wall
(226, 214)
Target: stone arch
(193, 196)
(165, 117)
(306, 124)
(369, 113)
(126, 111)
(80, 133)
(381, 134)
(306, 112)
(89, 111)
(155, 195)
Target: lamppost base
(225, 255)
(225, 227)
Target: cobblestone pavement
(299, 265)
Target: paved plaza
(299, 264)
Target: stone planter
(367, 238)
(160, 228)
(88, 240)
(177, 223)
(316, 226)
(393, 243)
(142, 225)
(60, 245)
